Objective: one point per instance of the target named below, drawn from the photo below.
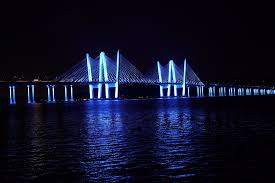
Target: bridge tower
(103, 76)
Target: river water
(230, 139)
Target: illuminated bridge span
(113, 71)
(103, 72)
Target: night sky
(222, 40)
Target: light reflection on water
(136, 140)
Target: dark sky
(221, 40)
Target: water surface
(192, 140)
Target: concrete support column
(65, 93)
(107, 96)
(72, 94)
(175, 91)
(99, 93)
(29, 97)
(11, 100)
(13, 93)
(49, 93)
(161, 91)
(214, 91)
(169, 90)
(33, 100)
(91, 91)
(53, 92)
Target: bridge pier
(29, 97)
(72, 94)
(33, 99)
(255, 91)
(161, 91)
(53, 93)
(49, 93)
(221, 91)
(30, 94)
(65, 93)
(210, 91)
(91, 91)
(107, 96)
(188, 91)
(12, 94)
(99, 91)
(175, 91)
(183, 90)
(214, 91)
(168, 90)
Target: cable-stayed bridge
(101, 73)
(113, 71)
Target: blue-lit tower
(90, 79)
